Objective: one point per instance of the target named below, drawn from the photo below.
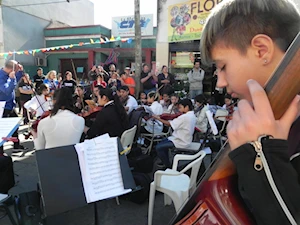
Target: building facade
(22, 23)
(120, 52)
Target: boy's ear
(263, 47)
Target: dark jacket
(168, 88)
(107, 121)
(255, 188)
(148, 84)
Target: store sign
(124, 26)
(186, 20)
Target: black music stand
(61, 183)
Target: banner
(186, 20)
(101, 41)
(124, 26)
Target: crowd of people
(114, 93)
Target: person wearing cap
(127, 100)
(128, 80)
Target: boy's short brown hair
(235, 22)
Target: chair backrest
(195, 166)
(135, 119)
(221, 114)
(127, 138)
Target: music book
(100, 168)
(7, 127)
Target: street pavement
(109, 213)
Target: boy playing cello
(247, 40)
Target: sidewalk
(109, 213)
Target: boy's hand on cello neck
(249, 122)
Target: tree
(138, 47)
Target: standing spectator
(39, 78)
(95, 71)
(100, 81)
(9, 76)
(148, 80)
(26, 91)
(51, 81)
(166, 81)
(114, 82)
(196, 76)
(128, 81)
(69, 82)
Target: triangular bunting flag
(112, 38)
(118, 38)
(30, 52)
(37, 50)
(129, 40)
(123, 39)
(92, 41)
(33, 52)
(26, 52)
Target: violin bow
(77, 81)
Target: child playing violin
(247, 40)
(39, 103)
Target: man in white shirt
(183, 129)
(127, 100)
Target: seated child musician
(183, 129)
(112, 119)
(200, 113)
(173, 108)
(165, 102)
(153, 126)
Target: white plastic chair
(176, 185)
(127, 139)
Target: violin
(168, 116)
(91, 113)
(43, 116)
(216, 199)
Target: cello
(216, 199)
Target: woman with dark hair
(112, 119)
(166, 80)
(63, 127)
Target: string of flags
(103, 40)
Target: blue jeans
(162, 150)
(194, 93)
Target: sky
(106, 9)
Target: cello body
(216, 200)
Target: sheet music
(100, 168)
(212, 123)
(8, 127)
(2, 105)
